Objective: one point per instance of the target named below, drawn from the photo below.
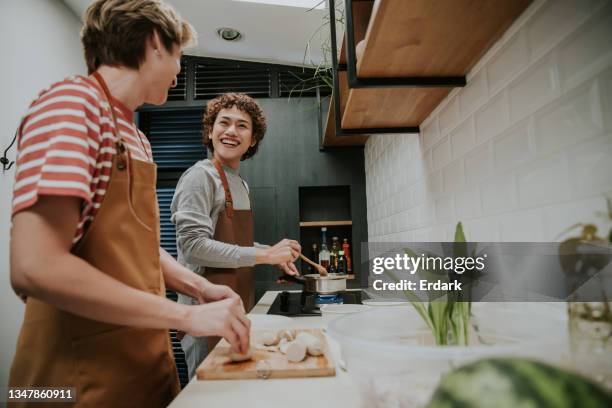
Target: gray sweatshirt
(197, 202)
(198, 199)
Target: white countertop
(337, 391)
(271, 393)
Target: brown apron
(233, 227)
(110, 365)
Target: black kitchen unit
(304, 303)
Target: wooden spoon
(322, 271)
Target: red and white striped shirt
(67, 143)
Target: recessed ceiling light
(229, 34)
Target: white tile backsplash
(574, 117)
(492, 118)
(441, 154)
(532, 90)
(512, 148)
(435, 183)
(449, 117)
(512, 59)
(590, 166)
(468, 203)
(462, 138)
(485, 229)
(444, 208)
(498, 193)
(474, 94)
(421, 235)
(605, 87)
(453, 176)
(419, 193)
(522, 226)
(588, 50)
(427, 161)
(430, 134)
(520, 153)
(478, 164)
(544, 181)
(545, 30)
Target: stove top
(307, 304)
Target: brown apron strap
(229, 202)
(122, 150)
(107, 93)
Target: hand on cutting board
(225, 318)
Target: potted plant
(584, 258)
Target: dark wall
(289, 158)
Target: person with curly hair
(211, 209)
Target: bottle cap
(340, 252)
(345, 239)
(336, 238)
(323, 228)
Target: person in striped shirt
(85, 252)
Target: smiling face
(231, 136)
(238, 118)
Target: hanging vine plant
(323, 75)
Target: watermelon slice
(517, 383)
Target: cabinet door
(264, 202)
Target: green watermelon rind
(516, 383)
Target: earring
(156, 51)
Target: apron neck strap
(120, 144)
(229, 202)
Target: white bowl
(388, 347)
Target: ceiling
(275, 31)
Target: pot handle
(295, 279)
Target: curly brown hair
(246, 104)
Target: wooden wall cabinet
(411, 40)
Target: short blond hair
(115, 32)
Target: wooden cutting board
(264, 364)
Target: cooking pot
(323, 285)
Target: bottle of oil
(324, 252)
(341, 262)
(347, 255)
(333, 255)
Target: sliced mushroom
(270, 338)
(295, 351)
(313, 344)
(283, 344)
(287, 334)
